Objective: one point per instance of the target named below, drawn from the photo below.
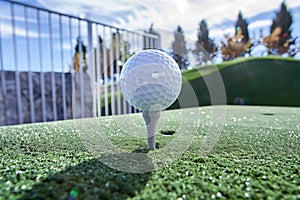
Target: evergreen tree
(122, 52)
(203, 38)
(203, 34)
(204, 45)
(77, 62)
(83, 47)
(148, 42)
(241, 26)
(179, 47)
(283, 20)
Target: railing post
(105, 63)
(53, 86)
(123, 53)
(17, 75)
(111, 64)
(3, 82)
(98, 77)
(72, 76)
(91, 62)
(118, 71)
(41, 63)
(30, 85)
(81, 82)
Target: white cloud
(219, 33)
(165, 12)
(166, 15)
(259, 24)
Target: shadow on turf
(89, 180)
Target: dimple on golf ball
(150, 80)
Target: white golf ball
(150, 80)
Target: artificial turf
(257, 156)
(271, 81)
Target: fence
(56, 66)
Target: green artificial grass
(201, 71)
(270, 81)
(257, 156)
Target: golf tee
(151, 119)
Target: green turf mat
(269, 81)
(257, 156)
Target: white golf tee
(151, 119)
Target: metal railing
(38, 46)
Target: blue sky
(138, 15)
(166, 14)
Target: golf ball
(150, 80)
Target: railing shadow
(89, 180)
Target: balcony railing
(56, 66)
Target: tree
(202, 36)
(239, 44)
(77, 62)
(149, 41)
(283, 20)
(204, 43)
(241, 27)
(278, 42)
(179, 48)
(117, 59)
